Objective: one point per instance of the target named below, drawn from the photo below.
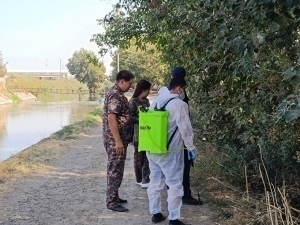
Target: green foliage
(2, 66)
(96, 112)
(145, 64)
(70, 131)
(15, 98)
(65, 133)
(242, 59)
(87, 69)
(105, 86)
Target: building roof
(37, 71)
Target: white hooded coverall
(168, 168)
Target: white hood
(164, 95)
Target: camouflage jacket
(115, 102)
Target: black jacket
(186, 98)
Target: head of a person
(142, 89)
(124, 80)
(177, 85)
(178, 72)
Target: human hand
(120, 147)
(192, 155)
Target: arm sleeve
(184, 126)
(114, 104)
(133, 110)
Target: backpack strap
(171, 138)
(167, 103)
(174, 132)
(163, 109)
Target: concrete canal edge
(7, 97)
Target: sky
(42, 34)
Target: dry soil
(70, 189)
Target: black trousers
(186, 176)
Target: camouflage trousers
(141, 166)
(115, 171)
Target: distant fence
(51, 90)
(2, 82)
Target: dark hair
(177, 82)
(141, 86)
(124, 75)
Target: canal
(28, 122)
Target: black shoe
(191, 201)
(177, 222)
(122, 200)
(119, 208)
(158, 217)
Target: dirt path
(70, 190)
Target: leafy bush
(243, 60)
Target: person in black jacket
(187, 198)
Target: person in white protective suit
(168, 168)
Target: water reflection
(24, 124)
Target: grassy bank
(43, 151)
(234, 205)
(70, 131)
(28, 82)
(20, 82)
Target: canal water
(28, 122)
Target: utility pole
(118, 61)
(59, 67)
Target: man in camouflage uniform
(117, 133)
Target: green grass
(15, 98)
(23, 162)
(70, 131)
(231, 205)
(96, 112)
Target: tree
(145, 64)
(86, 68)
(2, 66)
(105, 86)
(243, 62)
